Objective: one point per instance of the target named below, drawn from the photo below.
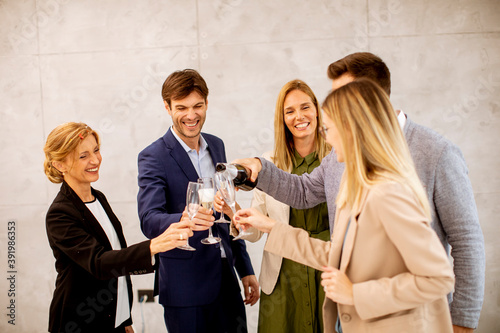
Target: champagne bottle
(240, 174)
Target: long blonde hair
(61, 142)
(283, 139)
(373, 144)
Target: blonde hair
(61, 142)
(373, 144)
(283, 139)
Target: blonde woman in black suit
(93, 291)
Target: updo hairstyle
(61, 142)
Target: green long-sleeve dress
(295, 305)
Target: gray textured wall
(103, 62)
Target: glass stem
(187, 240)
(210, 235)
(233, 208)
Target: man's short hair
(362, 64)
(180, 84)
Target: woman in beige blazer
(384, 268)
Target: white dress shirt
(122, 301)
(202, 162)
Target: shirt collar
(203, 143)
(401, 119)
(299, 159)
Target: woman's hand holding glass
(226, 190)
(176, 235)
(219, 204)
(223, 207)
(250, 217)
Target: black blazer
(87, 269)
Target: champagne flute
(218, 176)
(193, 205)
(207, 193)
(226, 189)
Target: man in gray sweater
(442, 170)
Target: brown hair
(283, 138)
(61, 142)
(180, 84)
(362, 64)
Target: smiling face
(81, 167)
(188, 116)
(300, 114)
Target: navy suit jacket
(186, 278)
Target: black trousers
(225, 315)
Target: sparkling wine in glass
(226, 189)
(219, 176)
(193, 204)
(207, 194)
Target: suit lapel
(96, 227)
(340, 226)
(217, 155)
(88, 218)
(180, 156)
(349, 235)
(112, 217)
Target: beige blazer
(271, 263)
(398, 267)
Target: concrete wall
(103, 63)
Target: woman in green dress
(291, 293)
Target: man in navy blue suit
(198, 289)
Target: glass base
(186, 247)
(221, 220)
(210, 240)
(242, 234)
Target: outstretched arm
(300, 192)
